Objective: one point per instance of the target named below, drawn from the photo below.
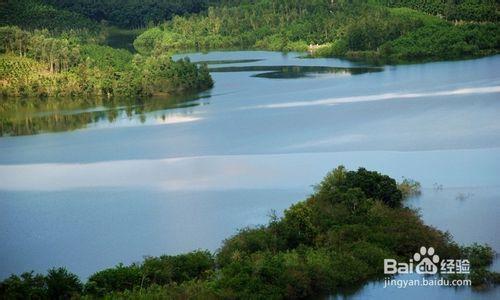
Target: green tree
(62, 284)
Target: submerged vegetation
(409, 187)
(392, 31)
(336, 238)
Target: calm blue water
(169, 179)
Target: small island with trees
(335, 239)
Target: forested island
(335, 239)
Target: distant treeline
(352, 29)
(71, 14)
(453, 10)
(132, 13)
(34, 14)
(336, 239)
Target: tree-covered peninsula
(335, 239)
(66, 56)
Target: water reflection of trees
(295, 71)
(28, 117)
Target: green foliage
(478, 255)
(145, 43)
(378, 26)
(337, 238)
(62, 284)
(447, 41)
(33, 14)
(184, 267)
(26, 286)
(162, 74)
(275, 25)
(119, 278)
(154, 271)
(466, 10)
(59, 54)
(131, 13)
(248, 240)
(372, 184)
(106, 57)
(15, 67)
(297, 226)
(352, 29)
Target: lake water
(87, 185)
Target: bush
(409, 188)
(62, 284)
(478, 255)
(57, 284)
(373, 184)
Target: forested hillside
(34, 14)
(131, 13)
(352, 29)
(64, 56)
(461, 10)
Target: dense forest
(131, 13)
(390, 30)
(337, 238)
(69, 14)
(34, 14)
(69, 59)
